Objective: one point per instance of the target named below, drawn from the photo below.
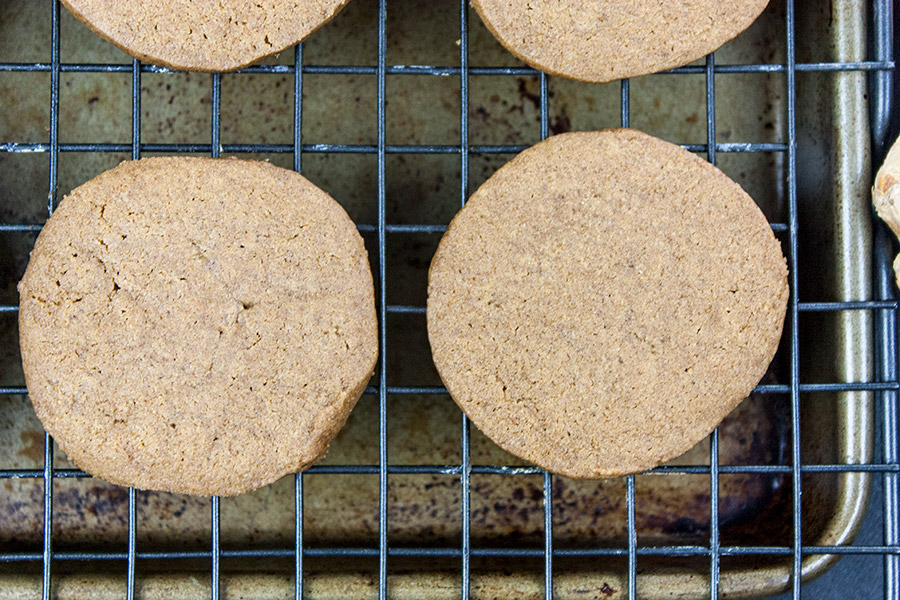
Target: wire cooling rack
(885, 386)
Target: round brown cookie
(604, 40)
(204, 36)
(197, 325)
(603, 301)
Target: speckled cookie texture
(204, 36)
(603, 301)
(197, 325)
(605, 40)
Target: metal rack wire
(885, 307)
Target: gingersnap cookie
(197, 325)
(204, 36)
(605, 40)
(603, 301)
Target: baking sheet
(425, 509)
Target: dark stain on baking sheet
(423, 509)
(32, 446)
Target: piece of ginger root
(886, 196)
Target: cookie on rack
(204, 36)
(603, 301)
(605, 40)
(886, 196)
(197, 325)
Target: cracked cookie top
(204, 36)
(197, 325)
(603, 301)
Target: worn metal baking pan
(424, 523)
